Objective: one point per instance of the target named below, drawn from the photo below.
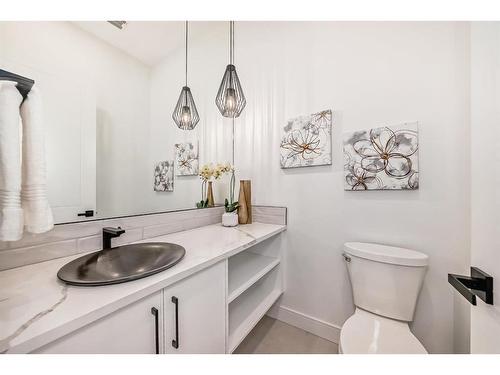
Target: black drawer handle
(88, 213)
(175, 343)
(154, 311)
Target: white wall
(369, 74)
(485, 173)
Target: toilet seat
(367, 333)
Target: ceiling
(148, 41)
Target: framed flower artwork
(384, 158)
(164, 176)
(307, 141)
(186, 158)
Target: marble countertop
(36, 308)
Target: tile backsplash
(69, 239)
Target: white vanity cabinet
(195, 313)
(129, 330)
(207, 305)
(195, 323)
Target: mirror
(108, 96)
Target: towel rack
(479, 284)
(24, 84)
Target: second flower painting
(384, 158)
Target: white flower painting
(307, 141)
(164, 176)
(384, 158)
(186, 159)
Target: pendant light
(230, 98)
(185, 114)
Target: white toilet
(385, 282)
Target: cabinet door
(129, 330)
(195, 313)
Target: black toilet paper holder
(479, 284)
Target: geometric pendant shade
(230, 98)
(185, 113)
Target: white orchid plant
(209, 171)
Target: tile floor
(270, 336)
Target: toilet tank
(385, 280)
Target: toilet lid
(367, 333)
(387, 254)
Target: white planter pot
(230, 219)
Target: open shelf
(247, 309)
(245, 269)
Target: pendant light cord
(231, 59)
(186, 53)
(231, 42)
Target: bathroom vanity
(207, 303)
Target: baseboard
(317, 327)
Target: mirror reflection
(113, 145)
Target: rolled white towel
(11, 213)
(37, 212)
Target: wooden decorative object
(245, 202)
(242, 205)
(210, 195)
(247, 188)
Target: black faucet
(108, 233)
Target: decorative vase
(210, 195)
(230, 219)
(242, 205)
(247, 188)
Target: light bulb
(186, 116)
(230, 102)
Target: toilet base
(367, 333)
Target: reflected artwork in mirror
(164, 176)
(186, 159)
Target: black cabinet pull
(154, 311)
(175, 343)
(88, 213)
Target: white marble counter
(36, 308)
